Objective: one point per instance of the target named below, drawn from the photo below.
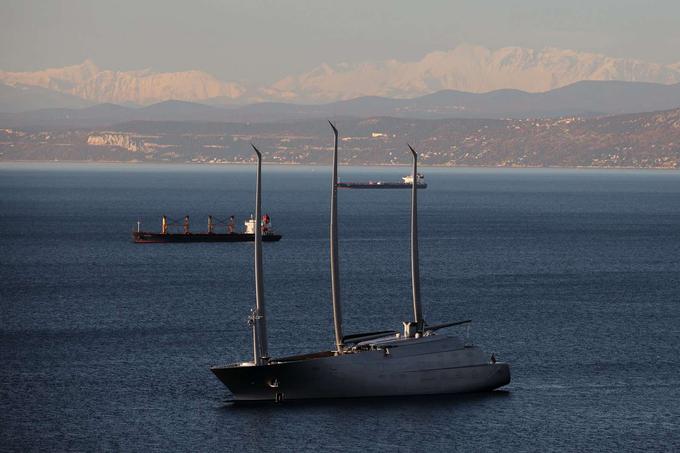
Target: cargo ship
(247, 235)
(407, 183)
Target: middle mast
(415, 264)
(335, 277)
(258, 319)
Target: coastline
(317, 165)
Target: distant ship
(407, 183)
(417, 361)
(248, 234)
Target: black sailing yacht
(419, 360)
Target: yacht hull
(372, 373)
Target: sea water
(572, 276)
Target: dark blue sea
(572, 276)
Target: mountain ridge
(468, 68)
(586, 98)
(87, 81)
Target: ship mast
(415, 266)
(335, 278)
(258, 319)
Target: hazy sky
(262, 41)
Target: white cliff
(125, 141)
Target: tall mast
(258, 318)
(335, 278)
(415, 266)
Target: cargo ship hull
(142, 237)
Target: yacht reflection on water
(416, 361)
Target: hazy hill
(588, 98)
(26, 98)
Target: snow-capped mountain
(466, 68)
(87, 81)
